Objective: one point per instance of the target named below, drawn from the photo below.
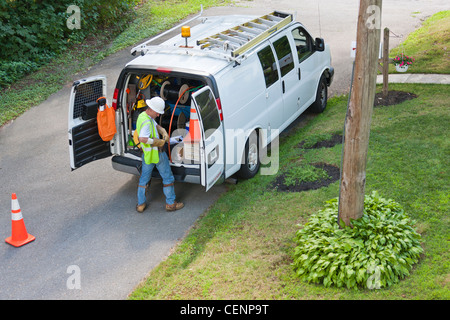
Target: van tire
(251, 163)
(320, 104)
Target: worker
(153, 155)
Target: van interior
(176, 92)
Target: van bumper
(126, 165)
(133, 166)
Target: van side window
(208, 112)
(303, 42)
(268, 65)
(284, 54)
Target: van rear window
(208, 112)
(268, 65)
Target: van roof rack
(245, 36)
(229, 44)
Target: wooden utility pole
(359, 113)
(385, 62)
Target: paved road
(86, 218)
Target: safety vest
(151, 154)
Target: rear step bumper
(127, 165)
(133, 166)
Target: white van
(242, 80)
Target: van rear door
(212, 145)
(85, 144)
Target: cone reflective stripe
(19, 235)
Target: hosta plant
(380, 249)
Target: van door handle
(299, 74)
(282, 84)
(213, 156)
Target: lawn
(243, 246)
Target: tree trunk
(359, 114)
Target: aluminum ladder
(243, 37)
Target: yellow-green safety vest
(151, 154)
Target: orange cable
(171, 118)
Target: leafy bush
(33, 31)
(379, 250)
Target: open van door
(85, 144)
(212, 154)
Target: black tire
(251, 163)
(320, 104)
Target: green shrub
(33, 31)
(379, 250)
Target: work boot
(141, 207)
(175, 206)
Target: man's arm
(144, 135)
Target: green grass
(153, 16)
(242, 248)
(428, 45)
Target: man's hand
(163, 133)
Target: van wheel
(251, 163)
(321, 96)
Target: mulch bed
(334, 140)
(393, 97)
(332, 171)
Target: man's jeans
(163, 167)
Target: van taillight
(164, 70)
(219, 106)
(114, 100)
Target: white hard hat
(156, 104)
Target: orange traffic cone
(19, 232)
(194, 127)
(192, 139)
